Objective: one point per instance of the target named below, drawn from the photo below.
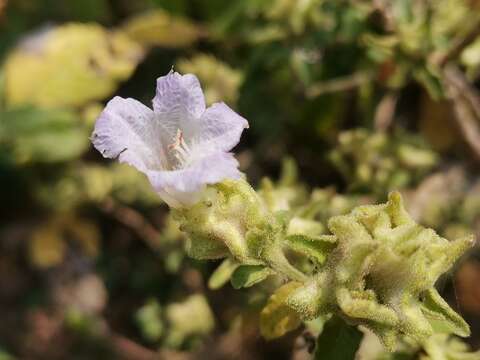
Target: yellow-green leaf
(277, 318)
(249, 275)
(46, 247)
(49, 242)
(159, 28)
(222, 274)
(69, 65)
(193, 316)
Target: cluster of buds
(382, 275)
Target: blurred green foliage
(27, 135)
(374, 161)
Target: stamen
(179, 148)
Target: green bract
(231, 219)
(382, 275)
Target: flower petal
(180, 146)
(184, 185)
(221, 127)
(127, 129)
(179, 99)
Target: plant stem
(275, 258)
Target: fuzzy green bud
(232, 220)
(382, 273)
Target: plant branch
(126, 349)
(339, 84)
(134, 220)
(385, 111)
(459, 44)
(386, 13)
(466, 106)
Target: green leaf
(338, 341)
(222, 274)
(31, 135)
(189, 318)
(159, 28)
(442, 318)
(315, 247)
(249, 275)
(289, 173)
(71, 65)
(431, 83)
(277, 318)
(149, 320)
(201, 248)
(4, 355)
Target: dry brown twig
(126, 349)
(385, 111)
(3, 6)
(134, 220)
(386, 13)
(464, 98)
(339, 84)
(466, 106)
(458, 45)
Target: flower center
(179, 149)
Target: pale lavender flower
(181, 145)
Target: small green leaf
(222, 274)
(431, 83)
(205, 249)
(338, 341)
(315, 247)
(298, 225)
(186, 319)
(442, 317)
(277, 318)
(149, 320)
(289, 173)
(249, 275)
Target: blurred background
(346, 99)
